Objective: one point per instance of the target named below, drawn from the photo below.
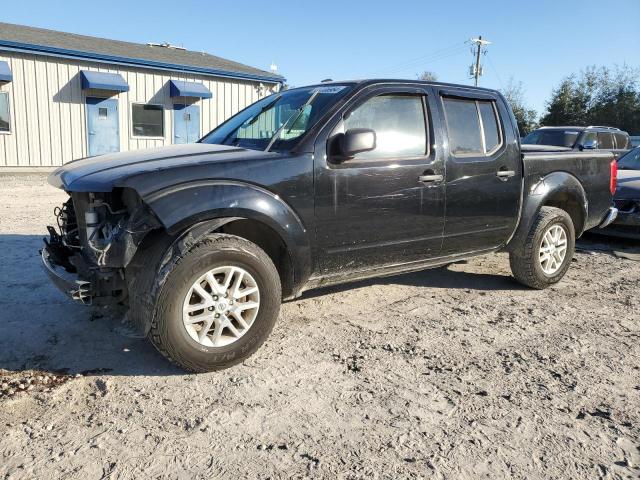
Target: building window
(5, 123)
(147, 120)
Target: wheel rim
(221, 306)
(553, 249)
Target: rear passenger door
(483, 170)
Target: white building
(65, 96)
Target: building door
(186, 123)
(102, 126)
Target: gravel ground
(453, 373)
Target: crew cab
(310, 187)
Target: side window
(590, 138)
(490, 126)
(473, 126)
(621, 141)
(463, 125)
(147, 120)
(5, 123)
(605, 140)
(399, 123)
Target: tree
(526, 117)
(597, 96)
(427, 76)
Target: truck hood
(104, 172)
(628, 185)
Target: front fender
(550, 190)
(181, 206)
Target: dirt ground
(454, 373)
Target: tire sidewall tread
(524, 262)
(176, 276)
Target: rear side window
(473, 126)
(621, 141)
(399, 123)
(489, 125)
(605, 140)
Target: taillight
(614, 177)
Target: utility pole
(476, 70)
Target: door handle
(505, 173)
(430, 178)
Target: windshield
(630, 160)
(279, 120)
(556, 138)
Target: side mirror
(357, 140)
(590, 144)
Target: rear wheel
(546, 254)
(218, 304)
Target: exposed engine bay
(96, 237)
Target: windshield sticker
(330, 90)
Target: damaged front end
(96, 237)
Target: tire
(181, 342)
(525, 261)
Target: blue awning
(103, 81)
(178, 88)
(5, 72)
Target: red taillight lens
(613, 183)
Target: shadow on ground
(441, 277)
(41, 329)
(620, 247)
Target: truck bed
(591, 169)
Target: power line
(437, 54)
(495, 70)
(476, 70)
(421, 58)
(426, 63)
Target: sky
(536, 42)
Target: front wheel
(546, 254)
(218, 304)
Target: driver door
(384, 206)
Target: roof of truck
(366, 81)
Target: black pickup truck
(310, 187)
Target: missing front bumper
(67, 283)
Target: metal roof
(51, 42)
